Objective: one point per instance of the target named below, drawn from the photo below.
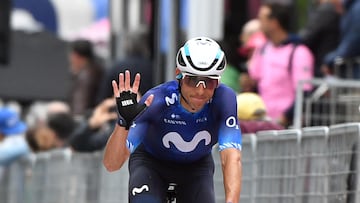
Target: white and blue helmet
(201, 56)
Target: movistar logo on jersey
(184, 146)
(170, 101)
(139, 190)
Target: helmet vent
(201, 69)
(222, 64)
(181, 60)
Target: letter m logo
(170, 101)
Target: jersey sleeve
(229, 131)
(136, 135)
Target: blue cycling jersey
(170, 132)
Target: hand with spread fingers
(126, 99)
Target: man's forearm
(116, 152)
(232, 171)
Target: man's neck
(186, 105)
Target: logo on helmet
(204, 63)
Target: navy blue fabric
(350, 38)
(42, 10)
(170, 132)
(150, 177)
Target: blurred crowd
(273, 58)
(86, 119)
(264, 70)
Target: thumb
(149, 100)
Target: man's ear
(178, 73)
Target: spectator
(55, 133)
(43, 138)
(280, 63)
(350, 39)
(87, 72)
(86, 135)
(137, 60)
(322, 32)
(12, 142)
(252, 114)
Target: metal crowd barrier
(63, 177)
(312, 165)
(308, 165)
(334, 98)
(331, 102)
(347, 68)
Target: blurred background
(35, 36)
(58, 58)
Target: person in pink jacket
(280, 63)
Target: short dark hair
(83, 47)
(63, 124)
(281, 12)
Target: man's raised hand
(126, 99)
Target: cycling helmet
(201, 56)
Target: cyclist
(170, 133)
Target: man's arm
(232, 170)
(348, 46)
(116, 151)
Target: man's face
(266, 22)
(196, 97)
(45, 138)
(75, 61)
